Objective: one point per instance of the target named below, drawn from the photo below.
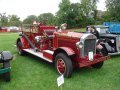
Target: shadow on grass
(85, 70)
(42, 62)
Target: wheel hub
(61, 67)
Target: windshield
(102, 29)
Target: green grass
(31, 73)
(80, 30)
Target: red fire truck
(65, 49)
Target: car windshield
(102, 29)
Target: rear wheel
(100, 64)
(63, 65)
(19, 47)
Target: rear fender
(23, 42)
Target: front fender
(101, 46)
(66, 50)
(98, 44)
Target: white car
(13, 29)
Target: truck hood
(70, 34)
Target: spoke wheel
(63, 65)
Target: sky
(24, 8)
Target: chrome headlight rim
(79, 45)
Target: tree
(113, 9)
(30, 19)
(47, 18)
(63, 13)
(89, 8)
(14, 20)
(89, 11)
(77, 14)
(3, 19)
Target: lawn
(31, 73)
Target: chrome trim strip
(38, 54)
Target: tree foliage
(64, 11)
(3, 19)
(14, 20)
(47, 18)
(30, 19)
(113, 9)
(77, 14)
(89, 10)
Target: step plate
(38, 54)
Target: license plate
(90, 55)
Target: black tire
(66, 61)
(100, 64)
(19, 47)
(7, 76)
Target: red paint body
(63, 42)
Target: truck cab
(110, 40)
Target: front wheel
(100, 64)
(63, 64)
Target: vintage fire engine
(65, 49)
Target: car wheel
(63, 65)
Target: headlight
(79, 45)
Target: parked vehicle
(5, 57)
(110, 40)
(13, 29)
(63, 48)
(114, 27)
(3, 29)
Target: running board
(38, 54)
(111, 54)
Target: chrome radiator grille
(89, 45)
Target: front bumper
(89, 63)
